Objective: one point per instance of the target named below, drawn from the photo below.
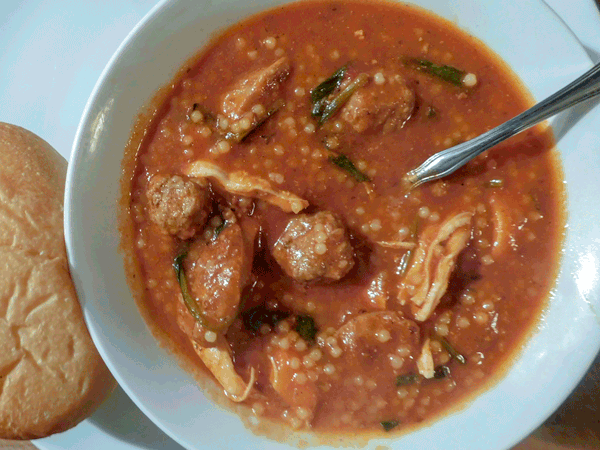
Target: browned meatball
(374, 340)
(176, 204)
(314, 246)
(385, 103)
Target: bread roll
(51, 376)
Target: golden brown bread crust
(51, 376)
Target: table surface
(73, 41)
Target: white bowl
(539, 48)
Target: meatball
(373, 341)
(177, 205)
(314, 246)
(385, 103)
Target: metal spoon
(447, 161)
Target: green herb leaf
(219, 229)
(329, 85)
(319, 94)
(450, 349)
(255, 317)
(306, 328)
(431, 112)
(344, 163)
(389, 424)
(409, 378)
(337, 102)
(189, 302)
(446, 73)
(441, 372)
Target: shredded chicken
(397, 245)
(425, 360)
(218, 360)
(433, 263)
(242, 183)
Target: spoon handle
(447, 161)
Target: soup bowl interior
(541, 51)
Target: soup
(280, 245)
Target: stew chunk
(371, 340)
(289, 383)
(257, 91)
(217, 270)
(177, 205)
(314, 246)
(385, 103)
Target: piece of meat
(291, 384)
(216, 356)
(314, 246)
(425, 362)
(179, 206)
(242, 183)
(376, 107)
(368, 341)
(427, 278)
(217, 270)
(254, 94)
(219, 361)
